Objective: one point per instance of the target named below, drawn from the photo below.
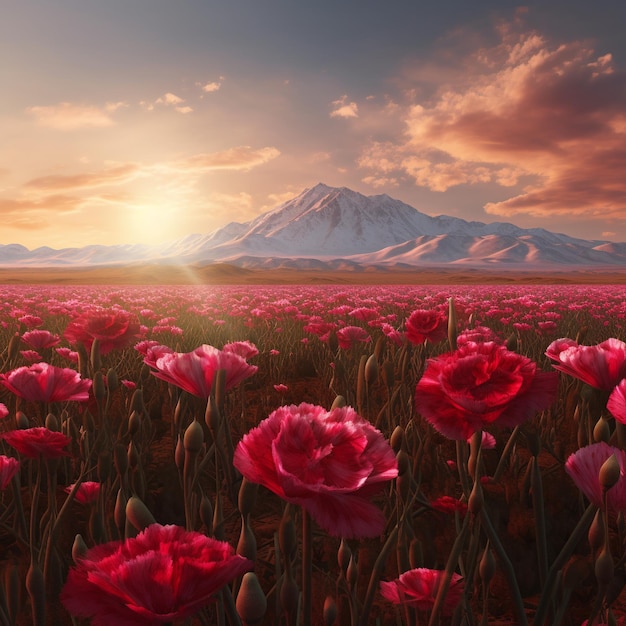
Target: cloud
(68, 116)
(239, 158)
(345, 109)
(111, 175)
(212, 86)
(169, 98)
(546, 120)
(27, 210)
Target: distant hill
(329, 228)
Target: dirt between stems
(508, 503)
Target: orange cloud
(345, 109)
(19, 210)
(238, 158)
(112, 175)
(550, 116)
(68, 116)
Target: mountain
(337, 228)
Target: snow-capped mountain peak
(332, 225)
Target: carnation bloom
(40, 339)
(43, 382)
(3, 411)
(38, 442)
(245, 349)
(348, 335)
(418, 588)
(616, 403)
(602, 366)
(584, 465)
(194, 371)
(328, 462)
(86, 493)
(426, 324)
(115, 329)
(479, 384)
(8, 469)
(164, 574)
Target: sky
(143, 121)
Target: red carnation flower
(115, 329)
(418, 588)
(165, 574)
(426, 324)
(479, 384)
(38, 442)
(8, 469)
(86, 493)
(329, 462)
(43, 382)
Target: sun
(154, 221)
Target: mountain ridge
(337, 227)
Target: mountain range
(337, 228)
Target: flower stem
(307, 566)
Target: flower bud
(113, 382)
(604, 567)
(487, 566)
(251, 601)
(96, 361)
(99, 390)
(21, 421)
(134, 423)
(610, 472)
(371, 370)
(452, 323)
(388, 373)
(338, 403)
(352, 573)
(330, 611)
(14, 346)
(595, 535)
(52, 423)
(247, 541)
(344, 554)
(194, 437)
(137, 513)
(79, 548)
(246, 498)
(601, 431)
(396, 439)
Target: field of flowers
(312, 455)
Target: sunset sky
(125, 121)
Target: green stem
(559, 562)
(307, 566)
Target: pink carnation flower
(329, 462)
(418, 588)
(584, 465)
(602, 366)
